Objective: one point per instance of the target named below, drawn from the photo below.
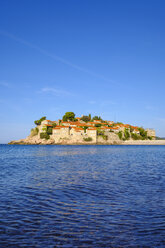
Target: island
(71, 130)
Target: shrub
(105, 137)
(54, 125)
(100, 132)
(149, 137)
(49, 130)
(120, 135)
(34, 131)
(44, 136)
(126, 134)
(135, 136)
(98, 125)
(88, 139)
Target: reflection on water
(82, 196)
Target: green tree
(143, 133)
(97, 118)
(38, 122)
(135, 136)
(69, 116)
(54, 125)
(98, 125)
(49, 130)
(90, 117)
(85, 128)
(44, 136)
(85, 118)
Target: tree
(98, 125)
(85, 128)
(38, 122)
(135, 136)
(97, 118)
(126, 134)
(85, 118)
(131, 129)
(143, 133)
(90, 117)
(120, 135)
(54, 125)
(44, 136)
(34, 131)
(49, 130)
(69, 116)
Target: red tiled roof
(77, 128)
(92, 122)
(59, 127)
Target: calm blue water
(82, 196)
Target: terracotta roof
(92, 129)
(48, 125)
(113, 128)
(92, 122)
(59, 127)
(77, 128)
(104, 127)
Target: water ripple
(82, 196)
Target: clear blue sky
(102, 57)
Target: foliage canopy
(69, 116)
(85, 118)
(38, 122)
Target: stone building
(78, 132)
(151, 133)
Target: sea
(82, 196)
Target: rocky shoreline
(37, 141)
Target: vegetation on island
(98, 118)
(128, 133)
(34, 131)
(44, 135)
(69, 116)
(88, 139)
(86, 118)
(38, 122)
